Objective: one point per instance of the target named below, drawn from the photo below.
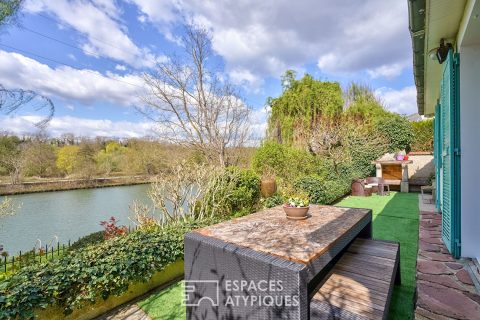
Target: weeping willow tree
(302, 105)
(361, 104)
(364, 107)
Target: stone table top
(269, 231)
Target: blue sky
(89, 56)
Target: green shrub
(235, 190)
(422, 135)
(273, 201)
(90, 239)
(286, 162)
(366, 109)
(398, 131)
(246, 192)
(321, 191)
(84, 275)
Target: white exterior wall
(470, 149)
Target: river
(67, 215)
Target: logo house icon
(197, 291)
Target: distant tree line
(70, 156)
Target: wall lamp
(440, 53)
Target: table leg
(366, 232)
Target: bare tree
(11, 157)
(13, 99)
(193, 105)
(357, 92)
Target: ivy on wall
(422, 135)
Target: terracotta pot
(268, 187)
(296, 213)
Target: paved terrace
(445, 288)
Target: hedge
(398, 130)
(83, 276)
(422, 135)
(246, 191)
(321, 191)
(88, 240)
(283, 161)
(161, 279)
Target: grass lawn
(395, 217)
(165, 304)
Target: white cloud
(78, 126)
(160, 11)
(120, 67)
(142, 18)
(100, 22)
(403, 101)
(258, 125)
(387, 71)
(86, 86)
(263, 38)
(247, 79)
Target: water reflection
(66, 214)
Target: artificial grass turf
(395, 217)
(165, 304)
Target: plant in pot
(296, 208)
(400, 155)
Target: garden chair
(379, 185)
(359, 188)
(431, 189)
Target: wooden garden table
(264, 266)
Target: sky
(89, 56)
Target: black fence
(36, 255)
(10, 264)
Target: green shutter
(450, 164)
(437, 154)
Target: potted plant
(296, 208)
(400, 155)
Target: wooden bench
(360, 284)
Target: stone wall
(422, 168)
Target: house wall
(470, 149)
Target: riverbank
(71, 184)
